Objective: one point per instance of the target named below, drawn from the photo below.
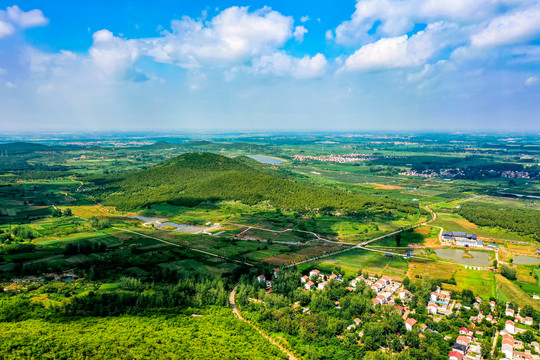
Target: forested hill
(193, 178)
(18, 148)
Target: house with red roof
(455, 355)
(466, 332)
(409, 323)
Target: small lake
(161, 223)
(266, 159)
(526, 260)
(479, 258)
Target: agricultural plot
(354, 261)
(74, 238)
(508, 290)
(420, 268)
(192, 266)
(482, 283)
(422, 235)
(272, 250)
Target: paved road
(362, 245)
(236, 312)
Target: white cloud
(6, 29)
(234, 35)
(329, 35)
(26, 19)
(304, 19)
(510, 28)
(401, 51)
(299, 32)
(530, 81)
(112, 54)
(59, 65)
(13, 17)
(281, 64)
(396, 17)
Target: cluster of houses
(337, 158)
(464, 347)
(268, 283)
(387, 290)
(512, 349)
(509, 312)
(461, 238)
(481, 317)
(318, 280)
(439, 302)
(384, 287)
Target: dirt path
(80, 182)
(494, 342)
(236, 313)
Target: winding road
(236, 313)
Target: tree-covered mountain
(193, 178)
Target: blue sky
(270, 65)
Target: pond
(525, 260)
(478, 258)
(266, 159)
(162, 223)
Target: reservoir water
(526, 260)
(266, 159)
(162, 223)
(479, 258)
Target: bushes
(100, 223)
(508, 272)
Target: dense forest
(129, 319)
(215, 334)
(195, 178)
(522, 221)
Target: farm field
(355, 261)
(69, 252)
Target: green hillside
(193, 178)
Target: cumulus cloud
(509, 28)
(13, 17)
(390, 18)
(281, 64)
(299, 32)
(26, 19)
(233, 35)
(112, 54)
(401, 51)
(304, 19)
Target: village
(507, 320)
(337, 158)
